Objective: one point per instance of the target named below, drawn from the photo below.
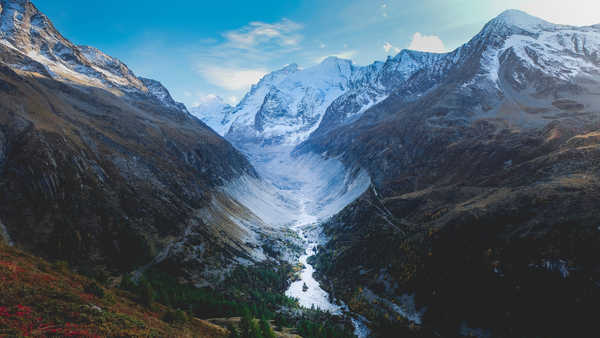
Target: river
(314, 295)
(311, 189)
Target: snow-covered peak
(288, 104)
(277, 76)
(39, 47)
(512, 22)
(332, 67)
(517, 18)
(335, 62)
(211, 110)
(558, 51)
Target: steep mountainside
(484, 169)
(105, 169)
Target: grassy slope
(39, 298)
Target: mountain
(105, 170)
(211, 111)
(373, 84)
(41, 48)
(484, 172)
(286, 106)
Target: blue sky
(199, 49)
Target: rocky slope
(484, 179)
(105, 169)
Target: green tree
(147, 294)
(233, 332)
(266, 329)
(245, 323)
(255, 331)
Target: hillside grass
(38, 298)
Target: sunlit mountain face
(314, 182)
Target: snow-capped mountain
(211, 110)
(290, 104)
(286, 106)
(39, 47)
(495, 142)
(373, 84)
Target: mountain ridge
(25, 29)
(479, 172)
(104, 169)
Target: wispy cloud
(427, 43)
(256, 34)
(244, 54)
(232, 78)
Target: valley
(429, 194)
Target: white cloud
(256, 34)
(387, 47)
(232, 78)
(427, 43)
(322, 45)
(576, 12)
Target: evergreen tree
(255, 331)
(245, 323)
(233, 332)
(266, 329)
(147, 294)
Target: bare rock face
(484, 165)
(105, 169)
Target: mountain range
(442, 194)
(483, 166)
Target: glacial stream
(310, 294)
(309, 189)
(307, 290)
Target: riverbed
(307, 290)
